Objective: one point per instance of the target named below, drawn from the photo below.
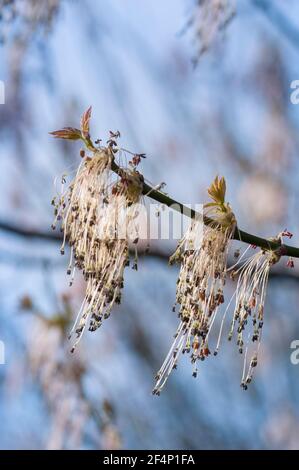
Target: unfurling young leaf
(217, 190)
(70, 133)
(85, 122)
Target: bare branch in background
(280, 21)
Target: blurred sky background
(199, 100)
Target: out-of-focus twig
(29, 233)
(279, 20)
(154, 252)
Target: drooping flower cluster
(97, 217)
(200, 289)
(200, 286)
(210, 19)
(248, 316)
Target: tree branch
(162, 198)
(29, 233)
(238, 235)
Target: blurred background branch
(279, 19)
